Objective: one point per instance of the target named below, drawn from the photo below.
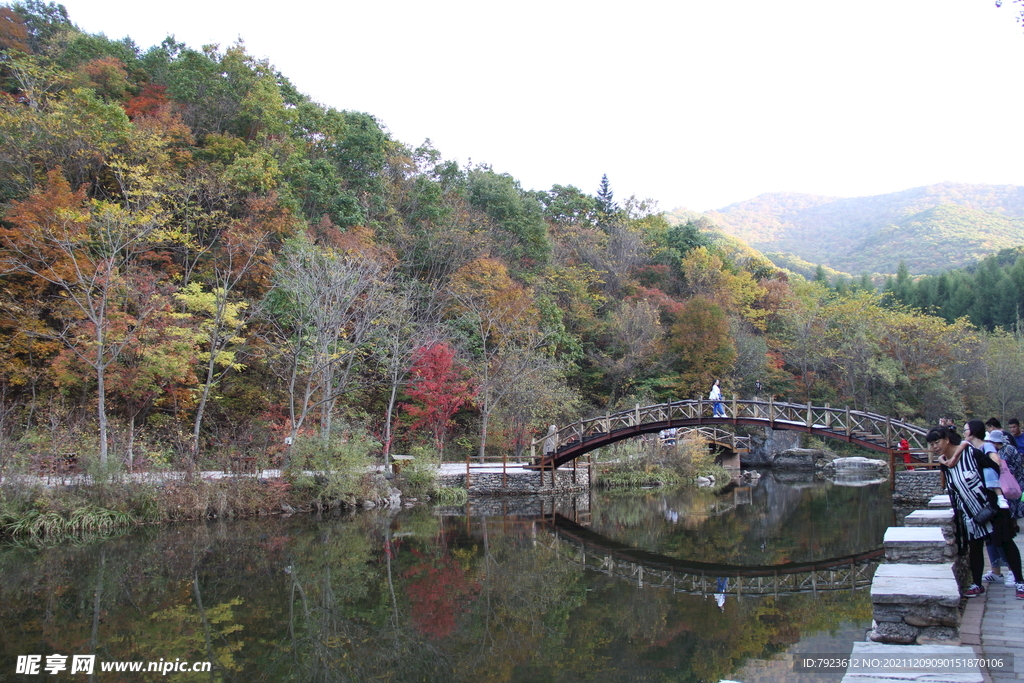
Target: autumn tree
(502, 320)
(633, 344)
(401, 333)
(441, 386)
(538, 396)
(88, 254)
(323, 306)
(238, 256)
(1004, 377)
(155, 370)
(700, 346)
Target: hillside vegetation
(930, 228)
(199, 262)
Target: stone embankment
(916, 601)
(516, 480)
(916, 487)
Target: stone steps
(916, 601)
(941, 519)
(869, 656)
(916, 604)
(916, 545)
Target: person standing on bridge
(551, 440)
(962, 464)
(716, 396)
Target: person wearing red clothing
(904, 447)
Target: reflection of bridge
(869, 430)
(651, 570)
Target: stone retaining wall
(916, 487)
(521, 482)
(570, 505)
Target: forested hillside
(929, 228)
(989, 293)
(197, 260)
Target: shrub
(418, 479)
(340, 468)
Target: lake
(650, 585)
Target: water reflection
(782, 518)
(434, 595)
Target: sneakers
(991, 576)
(1009, 580)
(975, 590)
(1001, 502)
(1020, 591)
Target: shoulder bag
(985, 515)
(1007, 482)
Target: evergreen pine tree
(606, 198)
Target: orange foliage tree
(86, 260)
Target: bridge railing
(879, 430)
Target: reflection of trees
(375, 598)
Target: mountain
(931, 228)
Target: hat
(995, 436)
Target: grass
(636, 464)
(38, 513)
(451, 496)
(38, 524)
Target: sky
(691, 103)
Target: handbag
(1008, 483)
(985, 515)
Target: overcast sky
(692, 103)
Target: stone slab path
(993, 624)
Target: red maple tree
(441, 386)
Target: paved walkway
(993, 624)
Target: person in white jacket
(716, 396)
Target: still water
(687, 585)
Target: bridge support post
(636, 419)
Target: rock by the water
(858, 463)
(797, 459)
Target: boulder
(896, 633)
(797, 459)
(858, 465)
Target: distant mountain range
(932, 228)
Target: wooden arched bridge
(651, 570)
(869, 430)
